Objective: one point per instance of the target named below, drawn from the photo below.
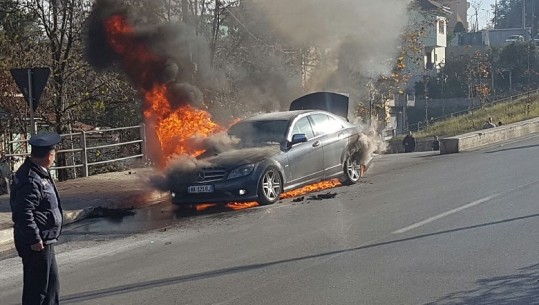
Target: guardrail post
(84, 154)
(143, 148)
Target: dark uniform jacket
(35, 206)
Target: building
(431, 17)
(459, 9)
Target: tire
(270, 186)
(351, 170)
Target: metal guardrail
(423, 125)
(82, 139)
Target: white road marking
(464, 207)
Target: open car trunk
(335, 103)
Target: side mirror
(297, 138)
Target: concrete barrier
(477, 139)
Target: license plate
(197, 189)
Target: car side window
(303, 126)
(324, 124)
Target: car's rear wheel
(270, 186)
(351, 169)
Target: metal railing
(78, 146)
(421, 125)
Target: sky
(485, 13)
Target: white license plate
(197, 189)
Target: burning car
(275, 152)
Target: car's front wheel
(270, 186)
(351, 169)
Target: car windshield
(256, 133)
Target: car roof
(281, 115)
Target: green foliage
(519, 57)
(16, 23)
(509, 14)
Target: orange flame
(173, 127)
(204, 206)
(236, 206)
(324, 185)
(317, 187)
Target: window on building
(441, 26)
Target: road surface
(420, 229)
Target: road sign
(31, 82)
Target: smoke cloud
(216, 143)
(181, 169)
(344, 45)
(169, 53)
(356, 39)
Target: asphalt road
(421, 229)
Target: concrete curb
(477, 139)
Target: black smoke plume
(177, 56)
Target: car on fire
(277, 152)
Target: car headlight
(241, 171)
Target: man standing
(435, 143)
(409, 143)
(37, 218)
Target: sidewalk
(80, 196)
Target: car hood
(328, 101)
(233, 158)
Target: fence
(86, 150)
(423, 125)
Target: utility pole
(442, 78)
(523, 14)
(495, 23)
(426, 79)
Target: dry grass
(507, 113)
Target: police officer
(37, 218)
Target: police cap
(45, 140)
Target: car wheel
(270, 186)
(352, 170)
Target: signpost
(31, 82)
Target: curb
(135, 202)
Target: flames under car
(276, 152)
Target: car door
(305, 159)
(333, 136)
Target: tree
(49, 33)
(521, 60)
(509, 14)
